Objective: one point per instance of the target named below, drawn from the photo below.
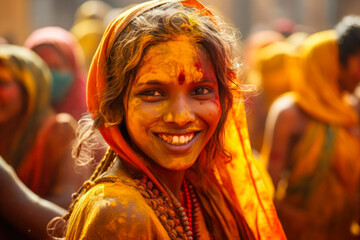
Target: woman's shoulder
(115, 194)
(286, 110)
(113, 210)
(119, 192)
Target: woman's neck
(171, 178)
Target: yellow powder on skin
(172, 64)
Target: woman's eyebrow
(206, 80)
(150, 82)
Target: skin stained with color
(173, 110)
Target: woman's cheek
(210, 109)
(146, 111)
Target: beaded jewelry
(192, 208)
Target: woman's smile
(176, 139)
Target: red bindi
(181, 77)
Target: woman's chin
(176, 165)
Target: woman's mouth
(176, 139)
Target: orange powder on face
(175, 65)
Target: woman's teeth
(177, 139)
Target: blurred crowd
(302, 114)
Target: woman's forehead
(173, 59)
(182, 50)
(175, 48)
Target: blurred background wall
(18, 18)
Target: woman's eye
(153, 93)
(200, 91)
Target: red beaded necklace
(192, 209)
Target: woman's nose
(179, 112)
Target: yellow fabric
(275, 64)
(274, 68)
(258, 40)
(261, 168)
(88, 32)
(318, 91)
(232, 195)
(101, 206)
(91, 9)
(318, 199)
(253, 196)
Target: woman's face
(53, 58)
(61, 71)
(173, 106)
(350, 74)
(11, 99)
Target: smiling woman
(160, 91)
(171, 120)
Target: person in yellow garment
(312, 140)
(272, 70)
(89, 26)
(163, 92)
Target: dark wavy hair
(348, 33)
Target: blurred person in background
(89, 26)
(35, 140)
(312, 140)
(257, 40)
(23, 214)
(273, 68)
(63, 55)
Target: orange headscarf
(318, 91)
(64, 42)
(242, 185)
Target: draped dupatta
(318, 92)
